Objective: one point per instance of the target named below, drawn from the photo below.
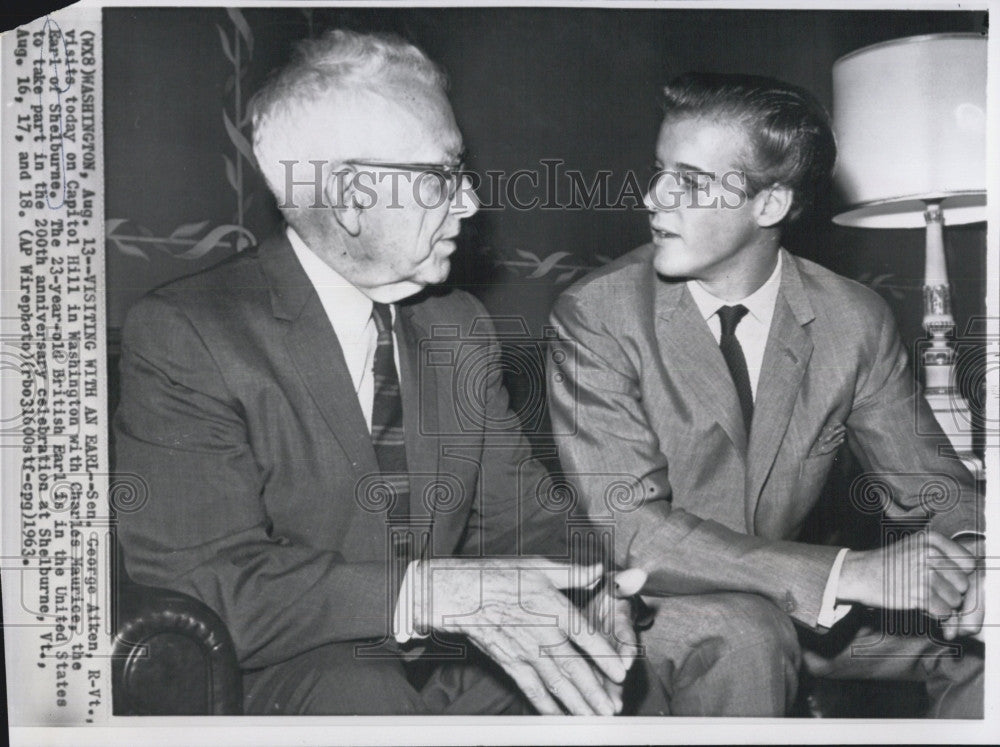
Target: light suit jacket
(646, 399)
(239, 417)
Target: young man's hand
(612, 611)
(969, 619)
(925, 572)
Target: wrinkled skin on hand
(514, 611)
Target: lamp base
(955, 418)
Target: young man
(721, 374)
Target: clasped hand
(513, 611)
(928, 573)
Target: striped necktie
(387, 414)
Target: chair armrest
(172, 655)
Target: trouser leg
(336, 680)
(472, 686)
(870, 644)
(719, 655)
(331, 680)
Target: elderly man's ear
(346, 197)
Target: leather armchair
(172, 656)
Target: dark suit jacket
(238, 412)
(648, 392)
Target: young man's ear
(773, 204)
(346, 197)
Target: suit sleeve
(899, 442)
(202, 529)
(612, 453)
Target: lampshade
(910, 120)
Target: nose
(662, 195)
(464, 203)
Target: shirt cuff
(410, 594)
(830, 613)
(968, 533)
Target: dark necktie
(732, 351)
(387, 414)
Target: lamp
(910, 120)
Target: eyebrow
(688, 167)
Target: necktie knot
(382, 316)
(730, 316)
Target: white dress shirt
(350, 313)
(752, 332)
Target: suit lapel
(692, 356)
(314, 349)
(428, 402)
(786, 357)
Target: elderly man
(722, 373)
(310, 476)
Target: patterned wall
(527, 84)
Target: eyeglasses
(436, 182)
(685, 180)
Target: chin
(669, 264)
(396, 291)
(438, 273)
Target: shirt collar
(347, 307)
(760, 303)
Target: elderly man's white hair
(340, 63)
